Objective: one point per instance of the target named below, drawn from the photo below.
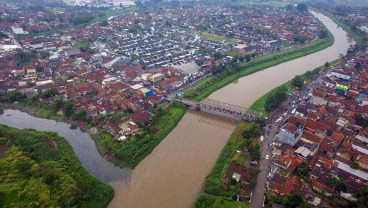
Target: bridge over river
(222, 109)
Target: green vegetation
(24, 58)
(131, 152)
(215, 190)
(217, 37)
(362, 196)
(44, 54)
(45, 104)
(81, 18)
(274, 100)
(302, 170)
(261, 102)
(39, 169)
(361, 120)
(211, 84)
(337, 184)
(297, 82)
(359, 37)
(291, 201)
(207, 201)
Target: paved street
(272, 128)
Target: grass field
(217, 38)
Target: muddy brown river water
(173, 174)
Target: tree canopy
(302, 7)
(297, 82)
(39, 169)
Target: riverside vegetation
(124, 154)
(39, 169)
(226, 75)
(216, 194)
(131, 152)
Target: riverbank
(216, 191)
(39, 112)
(132, 152)
(354, 34)
(45, 161)
(123, 154)
(211, 84)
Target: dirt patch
(52, 145)
(3, 149)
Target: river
(81, 142)
(172, 175)
(248, 89)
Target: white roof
(362, 138)
(236, 176)
(136, 86)
(360, 149)
(356, 172)
(303, 151)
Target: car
(267, 157)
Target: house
(112, 128)
(289, 134)
(141, 117)
(362, 160)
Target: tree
(327, 65)
(68, 108)
(297, 82)
(337, 184)
(13, 96)
(253, 131)
(302, 7)
(275, 99)
(323, 34)
(361, 120)
(358, 67)
(44, 54)
(289, 7)
(302, 170)
(362, 197)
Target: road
(271, 130)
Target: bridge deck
(223, 110)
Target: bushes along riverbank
(40, 169)
(209, 85)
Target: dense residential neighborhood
(326, 134)
(183, 103)
(135, 61)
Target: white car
(267, 157)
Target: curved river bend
(82, 144)
(172, 175)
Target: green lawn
(217, 37)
